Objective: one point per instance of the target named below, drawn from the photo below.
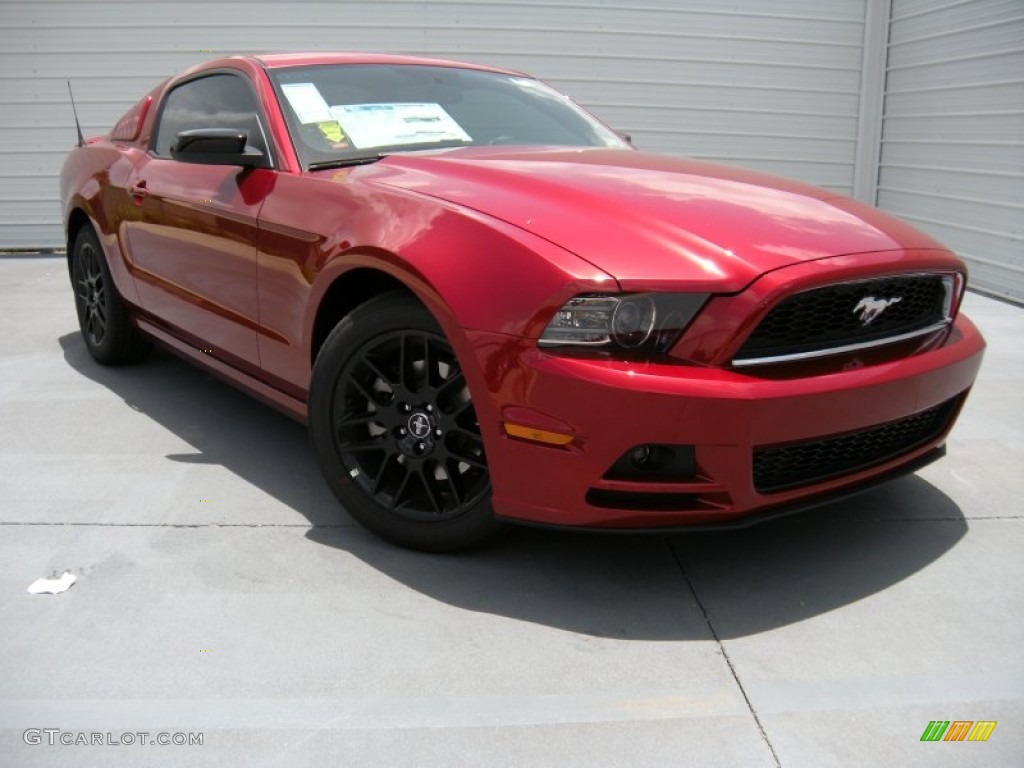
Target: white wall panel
(952, 157)
(771, 84)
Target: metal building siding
(952, 159)
(770, 84)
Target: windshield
(349, 112)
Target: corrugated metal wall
(952, 159)
(771, 84)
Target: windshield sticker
(382, 125)
(307, 102)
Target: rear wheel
(102, 315)
(395, 432)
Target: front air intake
(783, 467)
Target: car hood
(649, 220)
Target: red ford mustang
(489, 307)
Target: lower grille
(790, 466)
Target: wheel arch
(79, 216)
(347, 291)
(369, 274)
(77, 219)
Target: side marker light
(536, 435)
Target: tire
(394, 430)
(102, 315)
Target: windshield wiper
(342, 162)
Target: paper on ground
(51, 586)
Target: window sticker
(382, 125)
(307, 102)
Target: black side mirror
(625, 137)
(216, 146)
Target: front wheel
(395, 432)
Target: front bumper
(610, 407)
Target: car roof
(299, 59)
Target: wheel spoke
(396, 500)
(466, 446)
(367, 393)
(471, 461)
(357, 421)
(465, 458)
(428, 374)
(402, 377)
(452, 485)
(384, 467)
(366, 445)
(378, 372)
(449, 384)
(415, 360)
(423, 358)
(428, 489)
(412, 383)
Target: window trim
(261, 118)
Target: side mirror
(625, 137)
(216, 146)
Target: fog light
(654, 462)
(640, 455)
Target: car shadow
(642, 587)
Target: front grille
(790, 466)
(831, 319)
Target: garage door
(772, 84)
(952, 159)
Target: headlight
(649, 322)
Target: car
(490, 308)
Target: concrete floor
(221, 590)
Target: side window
(215, 101)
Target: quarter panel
(93, 180)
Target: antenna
(78, 127)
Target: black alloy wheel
(394, 428)
(90, 294)
(103, 316)
(405, 427)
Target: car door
(194, 246)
